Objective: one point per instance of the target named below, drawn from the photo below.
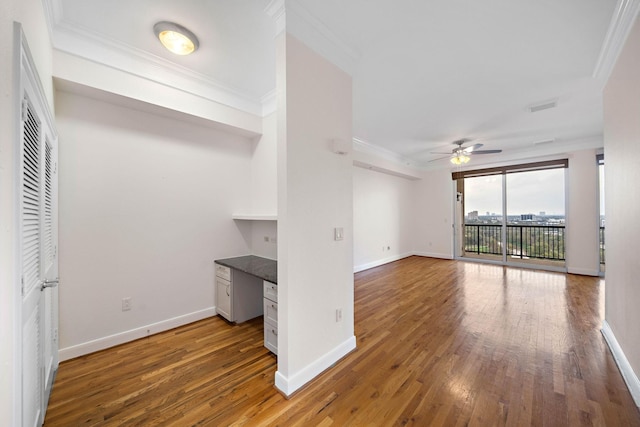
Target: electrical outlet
(126, 304)
(338, 315)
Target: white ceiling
(425, 73)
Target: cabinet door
(223, 299)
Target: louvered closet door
(39, 236)
(32, 316)
(49, 251)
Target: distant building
(542, 213)
(473, 215)
(526, 217)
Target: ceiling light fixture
(460, 158)
(176, 38)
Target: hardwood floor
(439, 343)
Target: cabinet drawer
(270, 291)
(223, 272)
(270, 312)
(271, 337)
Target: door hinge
(55, 167)
(22, 285)
(25, 109)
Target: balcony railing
(523, 241)
(483, 239)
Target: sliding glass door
(536, 216)
(512, 214)
(483, 219)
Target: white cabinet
(270, 308)
(224, 294)
(238, 294)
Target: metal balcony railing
(523, 241)
(483, 239)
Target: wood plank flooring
(440, 343)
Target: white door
(38, 247)
(50, 264)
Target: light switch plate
(338, 233)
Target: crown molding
(269, 102)
(88, 44)
(621, 23)
(304, 25)
(276, 10)
(52, 12)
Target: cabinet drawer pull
(274, 332)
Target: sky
(527, 192)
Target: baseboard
(630, 377)
(289, 385)
(434, 255)
(583, 271)
(133, 334)
(380, 262)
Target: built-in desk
(246, 287)
(239, 286)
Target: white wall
(264, 168)
(315, 194)
(383, 217)
(433, 232)
(583, 239)
(622, 204)
(145, 208)
(31, 15)
(264, 189)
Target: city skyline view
(527, 193)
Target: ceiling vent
(543, 106)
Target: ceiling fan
(460, 155)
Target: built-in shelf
(255, 217)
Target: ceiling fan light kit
(460, 158)
(176, 38)
(461, 155)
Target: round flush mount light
(176, 38)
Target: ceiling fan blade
(439, 158)
(438, 152)
(486, 152)
(472, 148)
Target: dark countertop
(263, 268)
